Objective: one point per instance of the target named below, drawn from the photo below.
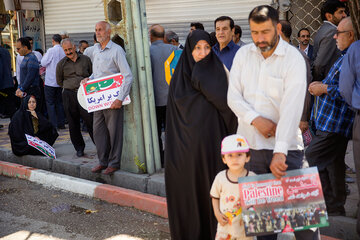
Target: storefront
(8, 31)
(20, 18)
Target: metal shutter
(177, 15)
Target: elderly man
(52, 90)
(69, 73)
(109, 58)
(29, 71)
(159, 53)
(333, 120)
(172, 38)
(266, 92)
(325, 51)
(225, 48)
(349, 86)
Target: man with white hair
(333, 120)
(109, 58)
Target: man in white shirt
(52, 90)
(266, 91)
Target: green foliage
(139, 164)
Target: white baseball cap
(234, 143)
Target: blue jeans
(54, 105)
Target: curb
(113, 194)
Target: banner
(41, 145)
(100, 93)
(293, 203)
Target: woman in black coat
(29, 121)
(197, 119)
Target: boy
(225, 190)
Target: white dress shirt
(109, 61)
(49, 61)
(306, 50)
(19, 59)
(273, 88)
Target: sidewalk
(118, 187)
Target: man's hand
(278, 166)
(317, 88)
(84, 80)
(221, 218)
(265, 126)
(117, 104)
(304, 125)
(19, 93)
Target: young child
(225, 189)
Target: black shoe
(80, 153)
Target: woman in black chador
(27, 120)
(197, 119)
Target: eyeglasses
(303, 36)
(338, 32)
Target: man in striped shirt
(333, 120)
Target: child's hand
(221, 218)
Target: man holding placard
(108, 59)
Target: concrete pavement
(143, 191)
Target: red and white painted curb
(113, 194)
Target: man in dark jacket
(7, 103)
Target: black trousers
(73, 111)
(161, 122)
(327, 152)
(356, 152)
(8, 101)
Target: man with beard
(304, 42)
(266, 91)
(69, 73)
(325, 50)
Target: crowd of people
(231, 110)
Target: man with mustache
(266, 92)
(69, 73)
(304, 42)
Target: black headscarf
(197, 119)
(21, 124)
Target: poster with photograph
(293, 203)
(100, 93)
